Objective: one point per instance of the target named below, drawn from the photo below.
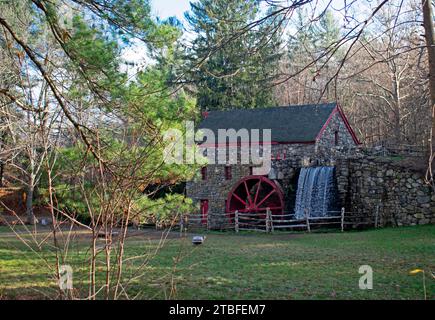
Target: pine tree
(314, 55)
(313, 39)
(230, 66)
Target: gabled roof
(289, 124)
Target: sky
(168, 8)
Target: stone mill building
(316, 166)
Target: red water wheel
(254, 194)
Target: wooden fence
(269, 222)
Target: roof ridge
(299, 123)
(277, 107)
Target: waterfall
(316, 191)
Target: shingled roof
(298, 123)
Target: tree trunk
(397, 130)
(2, 163)
(430, 43)
(2, 170)
(29, 205)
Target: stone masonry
(399, 194)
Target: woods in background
(311, 55)
(383, 84)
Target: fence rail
(268, 222)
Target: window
(228, 175)
(336, 138)
(204, 173)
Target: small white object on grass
(198, 239)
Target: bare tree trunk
(2, 170)
(396, 110)
(29, 204)
(430, 42)
(2, 163)
(54, 222)
(29, 194)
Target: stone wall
(215, 188)
(399, 194)
(326, 145)
(366, 185)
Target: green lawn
(249, 266)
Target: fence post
(342, 219)
(267, 221)
(307, 218)
(236, 220)
(270, 218)
(269, 225)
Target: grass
(247, 266)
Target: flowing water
(316, 192)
